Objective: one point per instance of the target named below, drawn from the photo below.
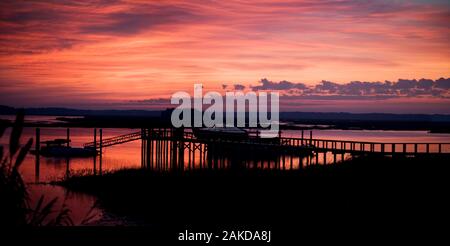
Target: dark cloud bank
(355, 90)
(439, 88)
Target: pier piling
(37, 149)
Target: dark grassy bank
(362, 192)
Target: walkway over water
(283, 143)
(173, 149)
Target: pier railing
(115, 140)
(362, 146)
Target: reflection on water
(128, 155)
(79, 204)
(39, 119)
(52, 169)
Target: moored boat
(61, 148)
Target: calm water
(128, 155)
(42, 119)
(115, 157)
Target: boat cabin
(59, 142)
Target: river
(127, 155)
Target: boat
(61, 148)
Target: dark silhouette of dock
(170, 148)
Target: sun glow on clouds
(100, 53)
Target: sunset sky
(134, 54)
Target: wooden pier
(178, 149)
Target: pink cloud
(110, 51)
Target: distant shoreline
(67, 117)
(155, 122)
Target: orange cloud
(106, 52)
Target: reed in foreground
(15, 206)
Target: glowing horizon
(112, 54)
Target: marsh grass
(15, 206)
(376, 187)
